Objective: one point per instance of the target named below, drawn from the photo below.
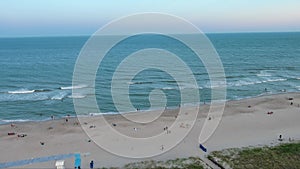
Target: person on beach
(12, 125)
(92, 164)
(68, 117)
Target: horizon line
(87, 35)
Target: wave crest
(77, 96)
(22, 91)
(73, 87)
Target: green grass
(277, 157)
(179, 163)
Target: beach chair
(60, 164)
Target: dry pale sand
(240, 126)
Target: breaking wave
(73, 87)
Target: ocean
(36, 73)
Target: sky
(79, 17)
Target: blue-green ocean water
(36, 72)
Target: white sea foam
(130, 83)
(215, 85)
(264, 73)
(247, 82)
(59, 96)
(168, 88)
(190, 86)
(77, 96)
(73, 87)
(275, 80)
(15, 120)
(101, 114)
(243, 83)
(22, 91)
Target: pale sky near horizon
(77, 17)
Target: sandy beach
(245, 123)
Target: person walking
(92, 164)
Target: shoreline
(241, 126)
(20, 121)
